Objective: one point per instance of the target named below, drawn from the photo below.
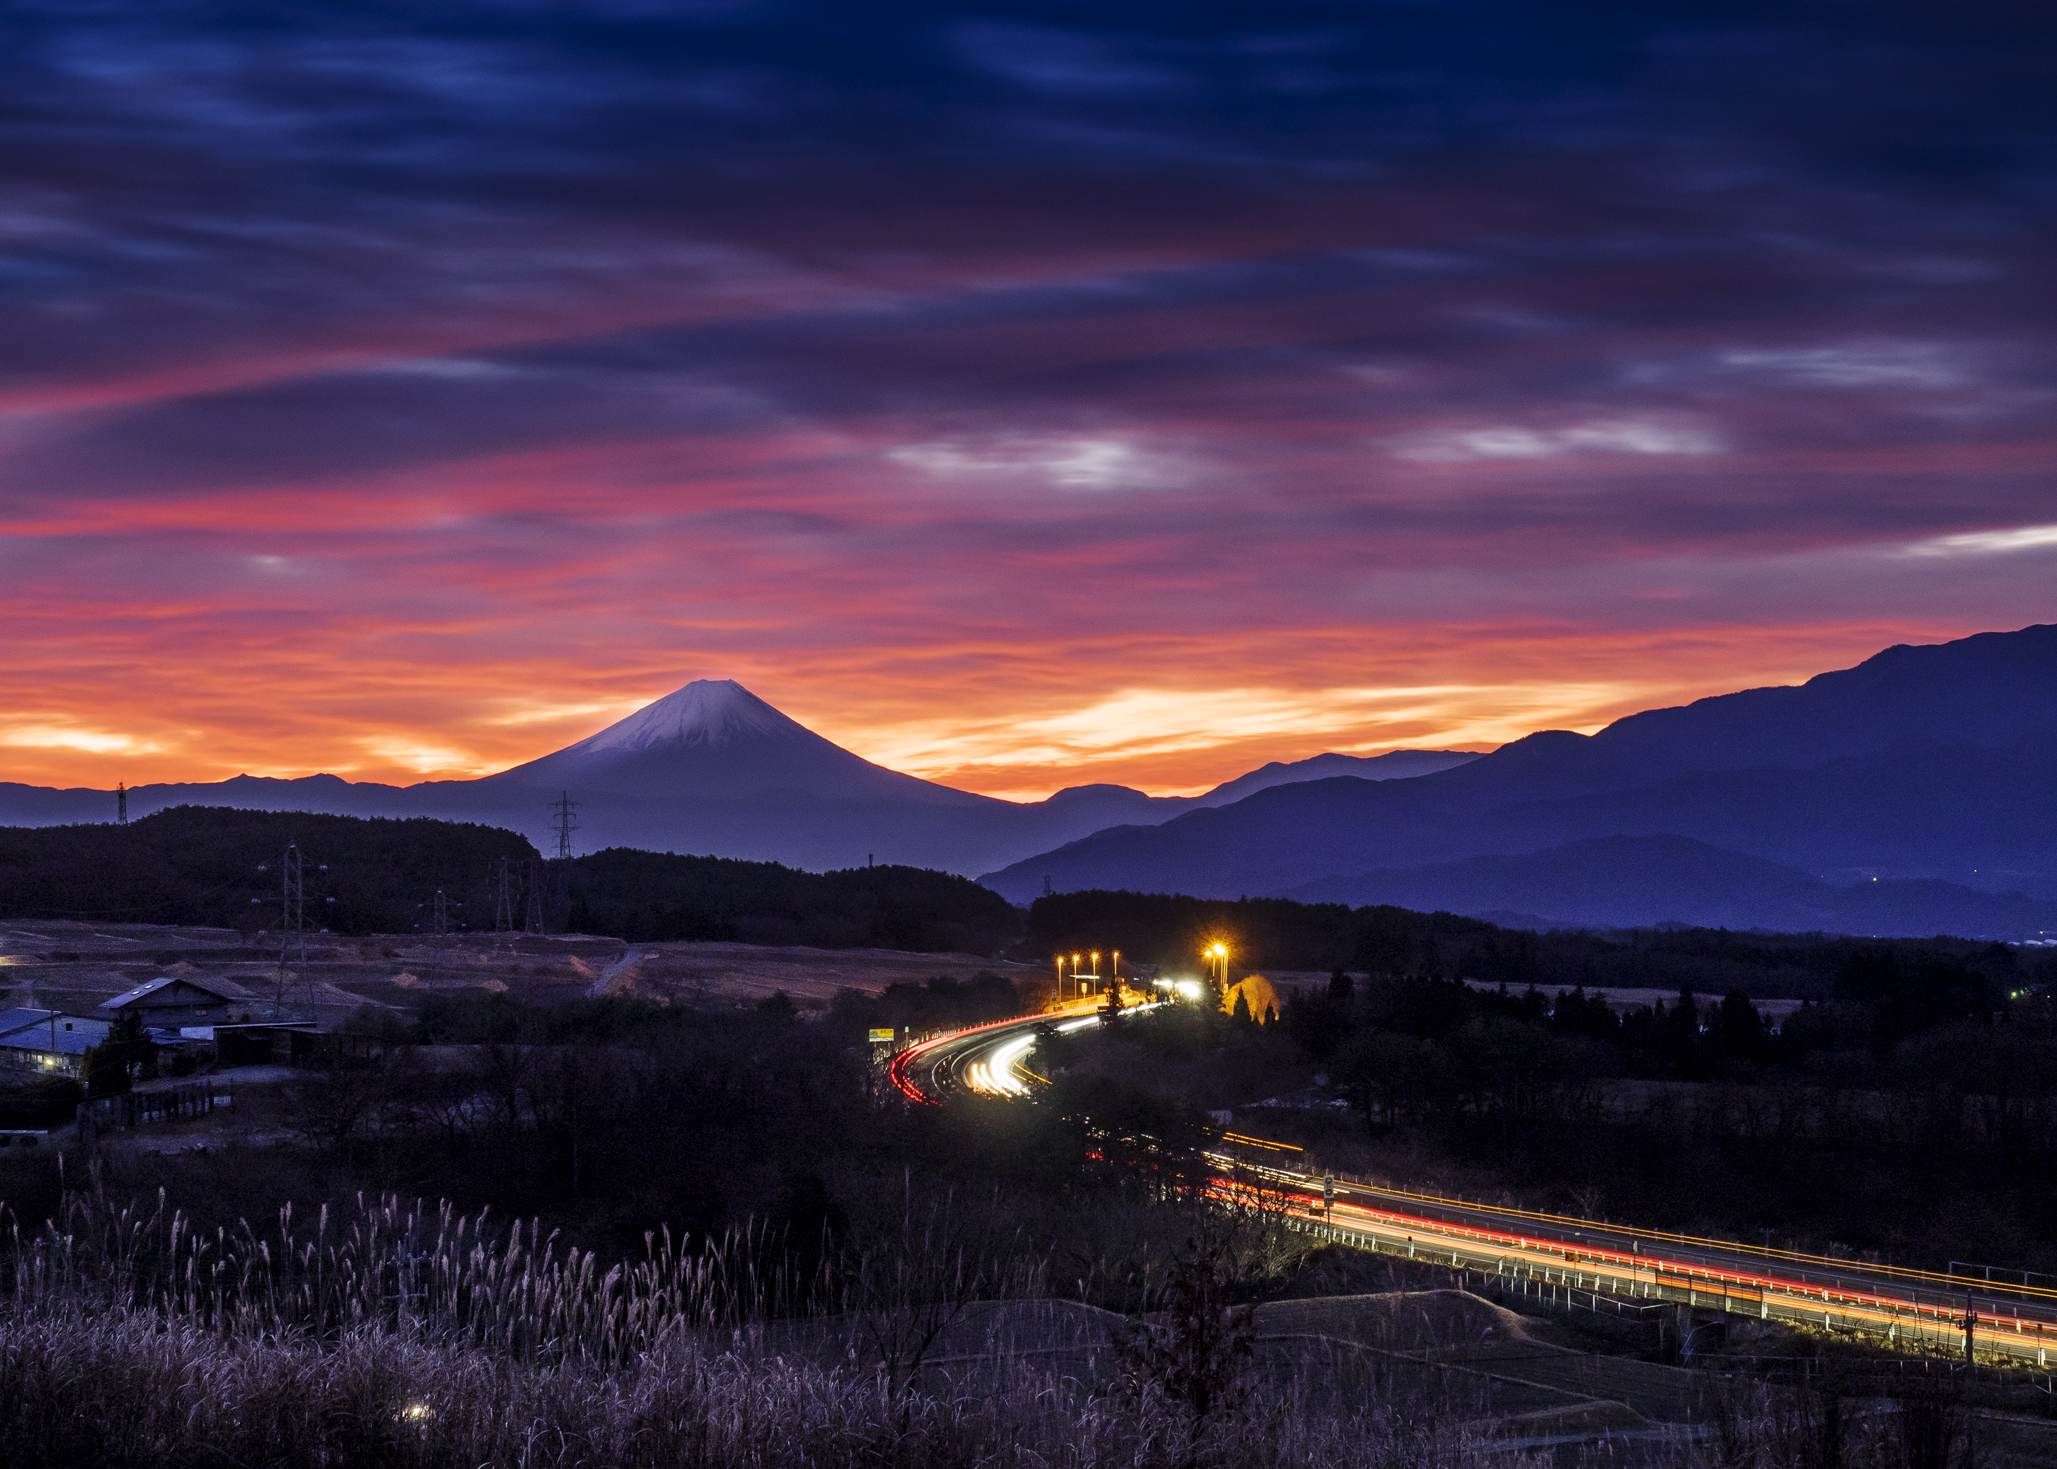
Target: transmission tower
(121, 804)
(503, 906)
(534, 920)
(561, 811)
(293, 926)
(293, 930)
(440, 916)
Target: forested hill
(219, 867)
(649, 896)
(1277, 933)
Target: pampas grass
(423, 1337)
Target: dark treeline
(219, 867)
(1879, 998)
(651, 896)
(943, 1003)
(199, 865)
(1276, 933)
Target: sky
(1018, 395)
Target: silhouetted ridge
(1927, 769)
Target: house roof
(21, 1016)
(53, 1032)
(161, 983)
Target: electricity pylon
(561, 811)
(534, 922)
(503, 906)
(293, 927)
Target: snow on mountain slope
(709, 712)
(715, 740)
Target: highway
(986, 1059)
(1617, 1268)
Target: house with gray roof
(170, 1002)
(48, 1042)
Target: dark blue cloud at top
(697, 113)
(634, 221)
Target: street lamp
(1115, 966)
(1060, 977)
(1074, 972)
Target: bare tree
(1196, 1351)
(906, 1290)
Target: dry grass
(422, 1337)
(127, 1390)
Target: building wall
(39, 1063)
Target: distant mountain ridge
(1393, 765)
(712, 768)
(1644, 882)
(1932, 764)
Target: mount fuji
(713, 768)
(714, 740)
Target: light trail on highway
(984, 1059)
(1530, 1250)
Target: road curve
(989, 1060)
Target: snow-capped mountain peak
(708, 713)
(715, 740)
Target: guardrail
(1956, 1280)
(1914, 1319)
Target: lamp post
(1060, 978)
(1114, 965)
(1076, 983)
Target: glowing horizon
(1163, 741)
